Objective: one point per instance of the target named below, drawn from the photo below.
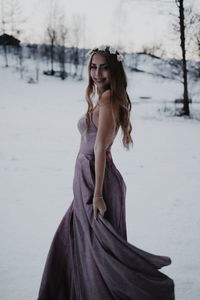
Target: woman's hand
(99, 204)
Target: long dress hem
(91, 259)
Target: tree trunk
(5, 55)
(186, 110)
(52, 56)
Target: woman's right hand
(99, 204)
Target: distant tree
(198, 45)
(76, 32)
(21, 61)
(45, 53)
(51, 31)
(83, 51)
(34, 50)
(180, 5)
(52, 35)
(62, 36)
(77, 35)
(192, 34)
(76, 60)
(82, 62)
(196, 36)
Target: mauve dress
(91, 259)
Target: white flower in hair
(120, 57)
(102, 48)
(112, 50)
(89, 52)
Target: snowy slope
(39, 144)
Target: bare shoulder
(106, 102)
(108, 110)
(105, 98)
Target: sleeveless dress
(91, 259)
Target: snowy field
(39, 144)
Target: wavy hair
(118, 94)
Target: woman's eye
(103, 67)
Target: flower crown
(109, 49)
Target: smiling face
(99, 72)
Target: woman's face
(99, 72)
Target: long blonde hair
(119, 96)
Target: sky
(132, 24)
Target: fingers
(95, 212)
(101, 210)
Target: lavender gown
(91, 259)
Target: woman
(90, 257)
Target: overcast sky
(132, 23)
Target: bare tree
(34, 51)
(198, 45)
(52, 34)
(62, 36)
(52, 30)
(83, 51)
(192, 33)
(196, 35)
(83, 60)
(21, 61)
(77, 32)
(180, 5)
(45, 53)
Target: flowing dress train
(91, 259)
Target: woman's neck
(100, 92)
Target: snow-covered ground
(39, 144)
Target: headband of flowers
(109, 49)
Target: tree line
(64, 61)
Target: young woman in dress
(90, 257)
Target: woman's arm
(105, 132)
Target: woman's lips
(99, 81)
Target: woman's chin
(102, 87)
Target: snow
(39, 144)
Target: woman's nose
(98, 72)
